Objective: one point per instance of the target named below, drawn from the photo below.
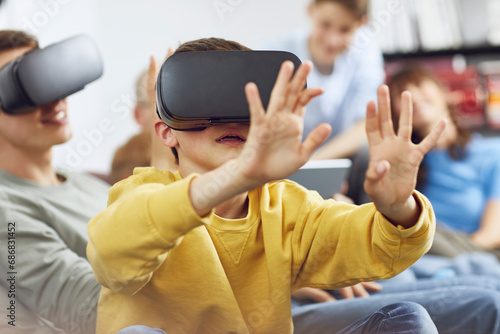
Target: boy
(219, 246)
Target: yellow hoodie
(162, 265)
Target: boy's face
(38, 129)
(333, 28)
(205, 150)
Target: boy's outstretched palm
(275, 150)
(274, 147)
(394, 159)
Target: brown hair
(415, 74)
(135, 153)
(358, 7)
(208, 44)
(14, 39)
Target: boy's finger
(360, 291)
(376, 171)
(305, 97)
(254, 102)
(372, 286)
(405, 119)
(384, 111)
(297, 85)
(321, 296)
(347, 292)
(315, 138)
(432, 138)
(278, 94)
(372, 124)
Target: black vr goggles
(50, 74)
(199, 89)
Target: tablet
(324, 176)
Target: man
(43, 214)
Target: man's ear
(165, 134)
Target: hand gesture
(394, 159)
(152, 77)
(274, 147)
(349, 292)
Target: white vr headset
(50, 74)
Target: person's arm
(51, 280)
(344, 144)
(488, 235)
(337, 244)
(354, 244)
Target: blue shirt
(353, 83)
(460, 189)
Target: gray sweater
(45, 272)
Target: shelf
(480, 50)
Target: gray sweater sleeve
(51, 278)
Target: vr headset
(50, 74)
(195, 90)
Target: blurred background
(459, 38)
(127, 33)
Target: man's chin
(64, 138)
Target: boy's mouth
(232, 136)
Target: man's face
(333, 28)
(37, 129)
(203, 151)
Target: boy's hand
(394, 160)
(349, 292)
(274, 148)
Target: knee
(405, 308)
(140, 330)
(488, 303)
(412, 314)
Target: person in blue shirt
(347, 64)
(461, 176)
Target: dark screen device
(49, 74)
(199, 89)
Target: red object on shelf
(467, 94)
(493, 103)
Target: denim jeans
(397, 318)
(468, 304)
(140, 330)
(410, 318)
